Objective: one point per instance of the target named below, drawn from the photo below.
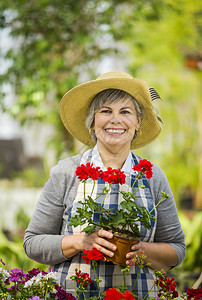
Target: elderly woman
(112, 114)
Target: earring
(92, 132)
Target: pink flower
(62, 295)
(32, 273)
(16, 275)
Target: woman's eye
(125, 112)
(106, 111)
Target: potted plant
(121, 222)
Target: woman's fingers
(105, 249)
(136, 248)
(104, 233)
(105, 246)
(97, 240)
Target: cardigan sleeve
(168, 229)
(42, 241)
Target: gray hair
(109, 96)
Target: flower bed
(36, 285)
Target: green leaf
(76, 221)
(89, 229)
(129, 205)
(135, 229)
(117, 218)
(104, 221)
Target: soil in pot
(123, 245)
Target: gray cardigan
(43, 236)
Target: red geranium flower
(93, 254)
(83, 172)
(114, 176)
(144, 167)
(82, 278)
(128, 296)
(195, 294)
(167, 285)
(114, 294)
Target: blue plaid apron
(109, 273)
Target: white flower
(54, 276)
(38, 277)
(28, 283)
(54, 291)
(4, 274)
(41, 278)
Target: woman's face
(115, 124)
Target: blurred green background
(47, 47)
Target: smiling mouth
(113, 130)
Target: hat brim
(75, 104)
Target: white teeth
(115, 130)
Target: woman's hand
(97, 240)
(136, 248)
(72, 244)
(159, 255)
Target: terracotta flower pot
(123, 245)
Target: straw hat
(75, 104)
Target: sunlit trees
(54, 44)
(60, 43)
(158, 47)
